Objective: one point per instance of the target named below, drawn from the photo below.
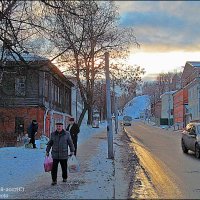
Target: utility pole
(116, 113)
(108, 109)
(76, 103)
(169, 110)
(115, 106)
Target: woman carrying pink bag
(48, 164)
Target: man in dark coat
(59, 142)
(32, 131)
(73, 128)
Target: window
(20, 89)
(57, 94)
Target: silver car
(191, 139)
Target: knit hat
(71, 119)
(59, 123)
(34, 121)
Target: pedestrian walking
(59, 142)
(73, 128)
(32, 131)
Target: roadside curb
(133, 163)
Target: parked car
(191, 139)
(127, 120)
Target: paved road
(170, 173)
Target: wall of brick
(8, 118)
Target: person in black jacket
(73, 128)
(32, 131)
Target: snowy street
(23, 175)
(99, 177)
(99, 99)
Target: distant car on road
(191, 139)
(127, 120)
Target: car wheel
(197, 151)
(185, 150)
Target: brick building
(186, 100)
(180, 99)
(33, 90)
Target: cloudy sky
(168, 32)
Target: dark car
(191, 139)
(127, 120)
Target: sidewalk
(99, 177)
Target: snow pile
(137, 106)
(87, 131)
(20, 165)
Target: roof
(28, 57)
(168, 93)
(56, 70)
(194, 63)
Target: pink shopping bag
(48, 163)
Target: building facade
(191, 83)
(36, 90)
(194, 100)
(167, 108)
(180, 101)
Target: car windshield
(127, 118)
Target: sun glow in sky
(158, 62)
(168, 32)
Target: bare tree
(83, 40)
(22, 23)
(164, 82)
(81, 31)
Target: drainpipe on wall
(59, 113)
(52, 112)
(45, 116)
(51, 121)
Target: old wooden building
(33, 90)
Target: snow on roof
(26, 56)
(194, 63)
(167, 93)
